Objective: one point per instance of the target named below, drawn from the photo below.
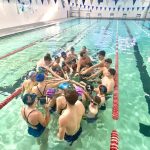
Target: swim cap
(31, 73)
(50, 92)
(64, 85)
(103, 89)
(63, 54)
(89, 87)
(29, 99)
(79, 90)
(40, 77)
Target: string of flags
(93, 7)
(110, 8)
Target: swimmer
(45, 62)
(69, 121)
(93, 109)
(83, 61)
(108, 80)
(36, 121)
(29, 83)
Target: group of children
(54, 79)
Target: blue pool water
(95, 34)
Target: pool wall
(17, 14)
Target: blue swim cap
(40, 77)
(64, 85)
(103, 89)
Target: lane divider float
(114, 140)
(10, 97)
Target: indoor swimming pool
(133, 125)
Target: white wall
(10, 16)
(84, 12)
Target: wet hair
(83, 47)
(89, 87)
(82, 53)
(97, 99)
(102, 53)
(72, 48)
(56, 57)
(108, 60)
(29, 99)
(112, 71)
(47, 57)
(71, 96)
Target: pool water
(95, 34)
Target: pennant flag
(127, 8)
(76, 5)
(92, 7)
(69, 2)
(134, 2)
(114, 9)
(18, 1)
(132, 8)
(63, 3)
(80, 5)
(91, 1)
(143, 8)
(30, 1)
(116, 2)
(84, 6)
(100, 1)
(123, 9)
(96, 8)
(109, 8)
(118, 8)
(101, 8)
(72, 4)
(138, 8)
(83, 1)
(105, 8)
(88, 7)
(8, 1)
(43, 1)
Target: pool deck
(23, 28)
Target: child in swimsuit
(93, 109)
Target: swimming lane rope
(114, 140)
(115, 110)
(10, 97)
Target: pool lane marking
(33, 43)
(142, 29)
(145, 79)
